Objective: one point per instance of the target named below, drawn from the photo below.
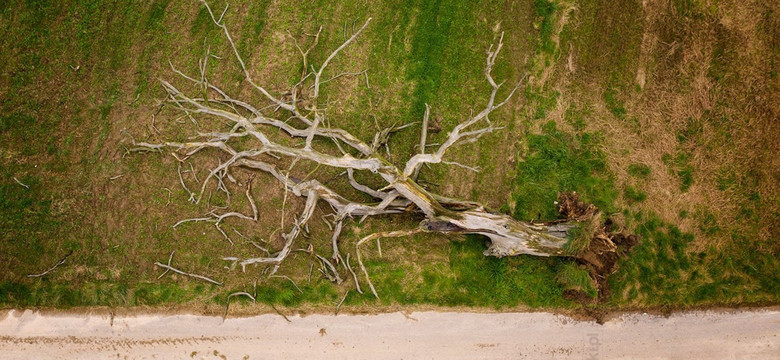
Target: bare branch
(311, 201)
(363, 188)
(341, 302)
(345, 74)
(423, 137)
(474, 169)
(335, 240)
(318, 74)
(183, 185)
(458, 134)
(170, 193)
(330, 269)
(20, 183)
(168, 267)
(288, 278)
(62, 261)
(194, 174)
(278, 102)
(354, 276)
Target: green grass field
(663, 115)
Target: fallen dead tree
(250, 142)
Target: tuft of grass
(545, 10)
(686, 178)
(574, 277)
(614, 105)
(726, 180)
(708, 223)
(633, 194)
(155, 15)
(87, 25)
(27, 219)
(692, 131)
(468, 278)
(542, 101)
(558, 162)
(202, 23)
(681, 167)
(31, 132)
(580, 236)
(661, 270)
(641, 171)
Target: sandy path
(743, 335)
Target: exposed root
(572, 208)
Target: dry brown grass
(674, 73)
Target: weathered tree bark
(302, 117)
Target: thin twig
(338, 307)
(181, 179)
(169, 261)
(241, 235)
(288, 278)
(170, 193)
(194, 174)
(354, 276)
(311, 269)
(169, 267)
(62, 261)
(329, 266)
(20, 183)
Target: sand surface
(420, 335)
